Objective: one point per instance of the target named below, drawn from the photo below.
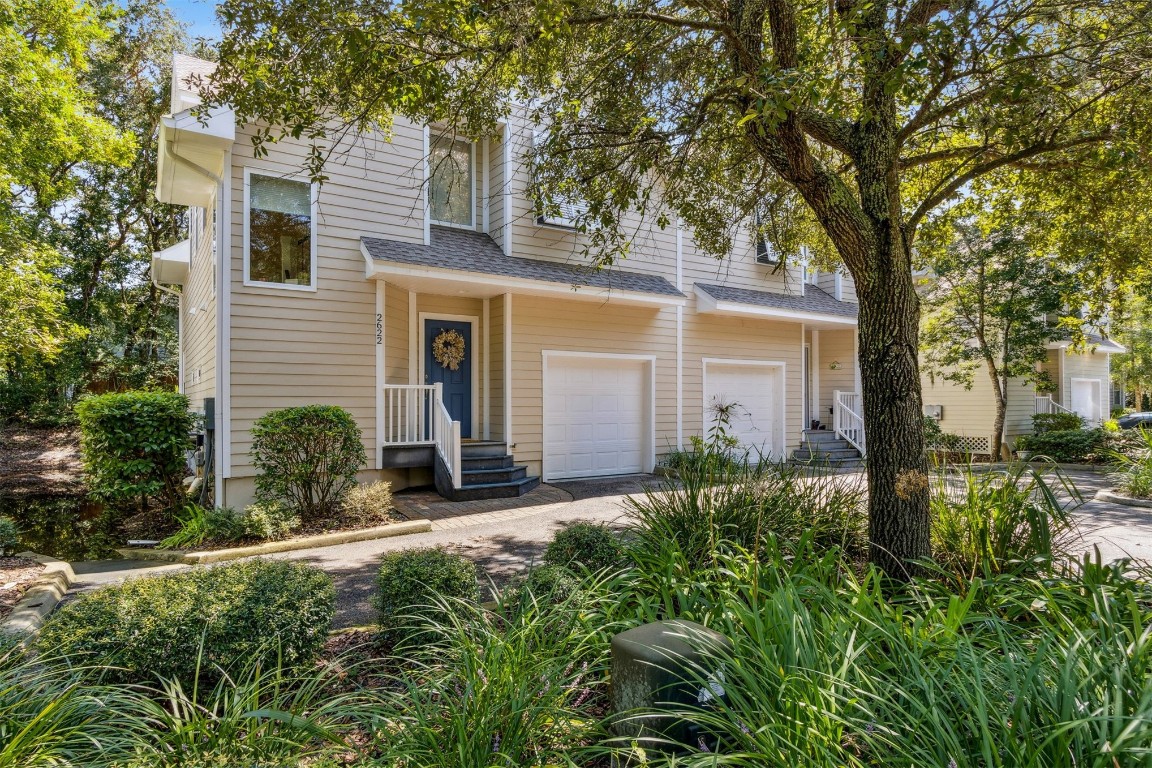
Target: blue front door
(457, 382)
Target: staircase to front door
(487, 471)
(824, 448)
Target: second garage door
(596, 416)
(755, 394)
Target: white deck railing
(848, 418)
(1046, 404)
(414, 414)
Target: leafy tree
(1134, 368)
(850, 121)
(81, 174)
(987, 304)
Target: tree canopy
(849, 123)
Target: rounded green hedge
(133, 446)
(411, 582)
(308, 457)
(594, 546)
(256, 612)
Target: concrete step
(482, 449)
(804, 454)
(847, 465)
(489, 476)
(827, 445)
(495, 490)
(820, 435)
(485, 462)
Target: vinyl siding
(198, 314)
(299, 347)
(540, 324)
(734, 338)
(972, 412)
(834, 347)
(496, 367)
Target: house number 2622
(379, 328)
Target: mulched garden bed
(40, 462)
(16, 575)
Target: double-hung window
(280, 234)
(452, 182)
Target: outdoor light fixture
(834, 365)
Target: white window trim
(648, 463)
(313, 210)
(780, 365)
(472, 190)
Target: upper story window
(452, 182)
(279, 232)
(565, 209)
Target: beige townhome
(1080, 383)
(419, 289)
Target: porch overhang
(1093, 343)
(471, 264)
(172, 264)
(816, 309)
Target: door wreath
(448, 349)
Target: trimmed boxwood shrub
(1065, 445)
(307, 457)
(245, 613)
(409, 584)
(133, 446)
(1056, 422)
(591, 545)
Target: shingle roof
(459, 249)
(814, 300)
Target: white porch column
(508, 370)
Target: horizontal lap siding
(716, 336)
(972, 412)
(835, 347)
(293, 348)
(198, 345)
(548, 324)
(396, 335)
(496, 367)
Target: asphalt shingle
(813, 300)
(464, 251)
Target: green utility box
(665, 666)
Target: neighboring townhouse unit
(1080, 383)
(418, 289)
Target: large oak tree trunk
(898, 516)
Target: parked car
(1134, 420)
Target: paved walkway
(504, 536)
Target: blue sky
(200, 15)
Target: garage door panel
(756, 393)
(596, 416)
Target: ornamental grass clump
(992, 522)
(1134, 477)
(199, 624)
(722, 507)
(509, 688)
(307, 458)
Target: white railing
(414, 414)
(408, 412)
(1046, 404)
(848, 418)
(447, 439)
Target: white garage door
(595, 416)
(753, 394)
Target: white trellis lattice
(977, 446)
